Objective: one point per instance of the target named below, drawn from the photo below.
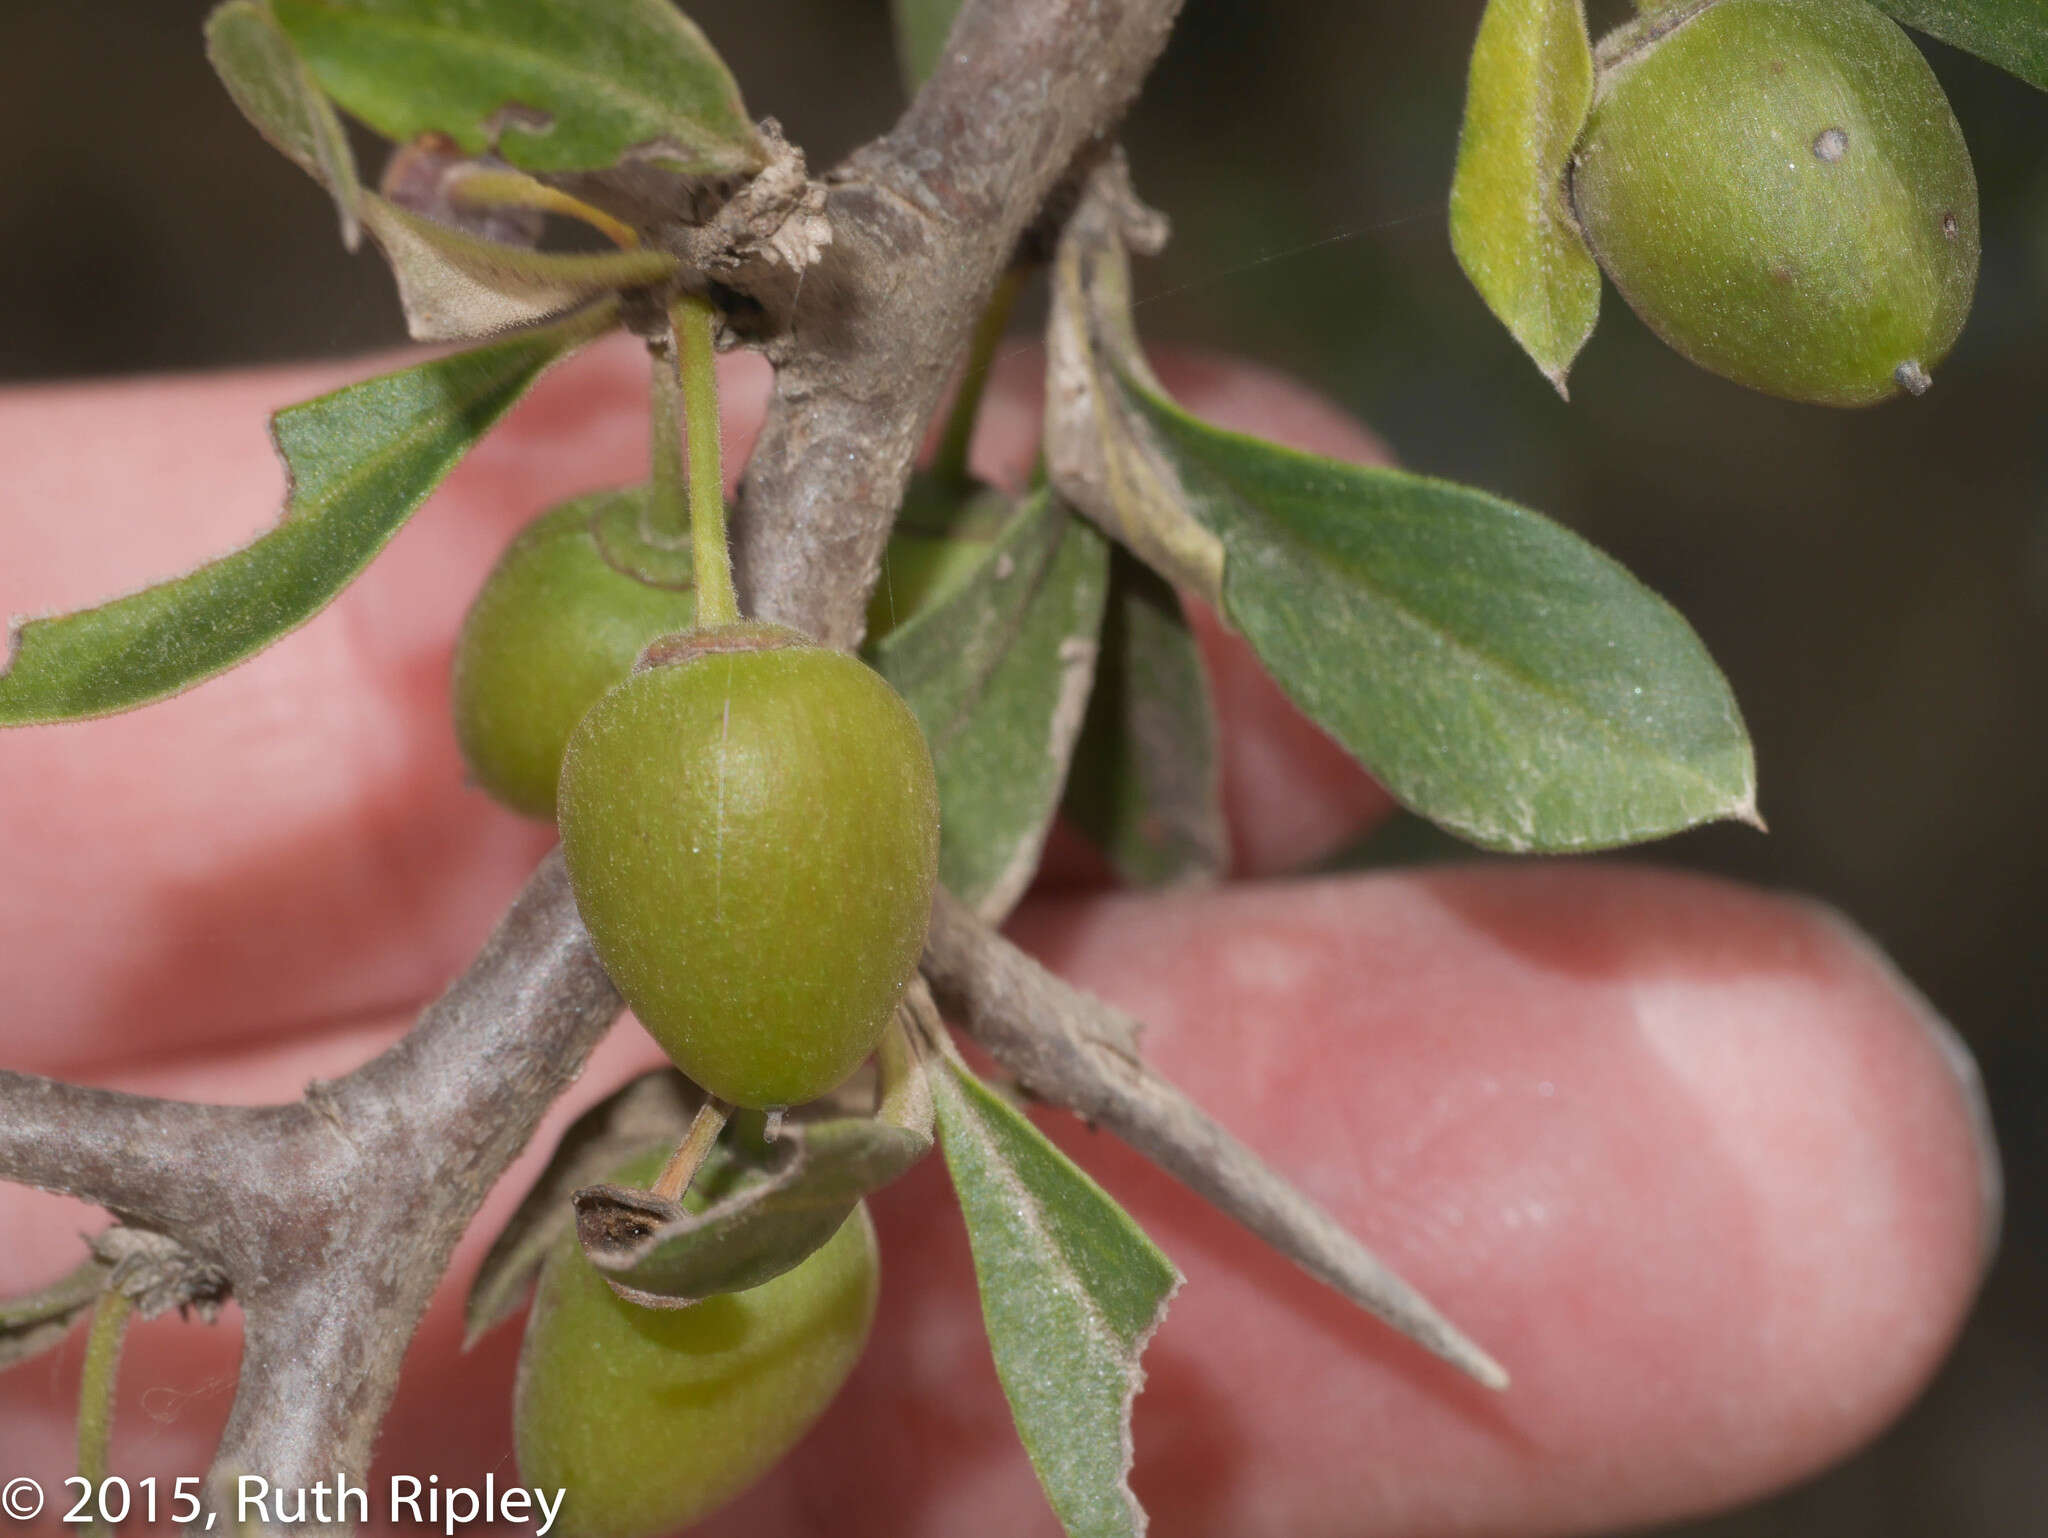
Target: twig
(923, 223)
(1070, 1048)
(128, 1153)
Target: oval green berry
(1779, 189)
(648, 1419)
(751, 826)
(559, 621)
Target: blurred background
(1875, 584)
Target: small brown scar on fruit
(1948, 224)
(1912, 378)
(1831, 144)
(1781, 274)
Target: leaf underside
(1495, 672)
(271, 84)
(459, 287)
(1146, 784)
(998, 672)
(1071, 1292)
(794, 1194)
(550, 85)
(1095, 452)
(653, 1111)
(2013, 34)
(1529, 91)
(360, 461)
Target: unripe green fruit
(751, 825)
(1779, 189)
(648, 1419)
(558, 621)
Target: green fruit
(558, 621)
(648, 1419)
(1779, 189)
(751, 825)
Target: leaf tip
(1485, 1371)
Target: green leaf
(781, 1200)
(921, 30)
(1146, 784)
(458, 287)
(653, 1111)
(360, 461)
(39, 1321)
(1530, 89)
(551, 85)
(1071, 1292)
(1496, 673)
(998, 669)
(276, 92)
(2013, 34)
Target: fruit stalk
(695, 370)
(96, 1392)
(691, 1153)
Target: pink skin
(1692, 1161)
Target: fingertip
(1689, 1160)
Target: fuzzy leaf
(2013, 34)
(921, 30)
(550, 85)
(792, 1196)
(653, 1111)
(1494, 671)
(360, 461)
(998, 669)
(276, 92)
(1146, 783)
(1530, 89)
(458, 287)
(39, 1321)
(1071, 1292)
(1096, 453)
